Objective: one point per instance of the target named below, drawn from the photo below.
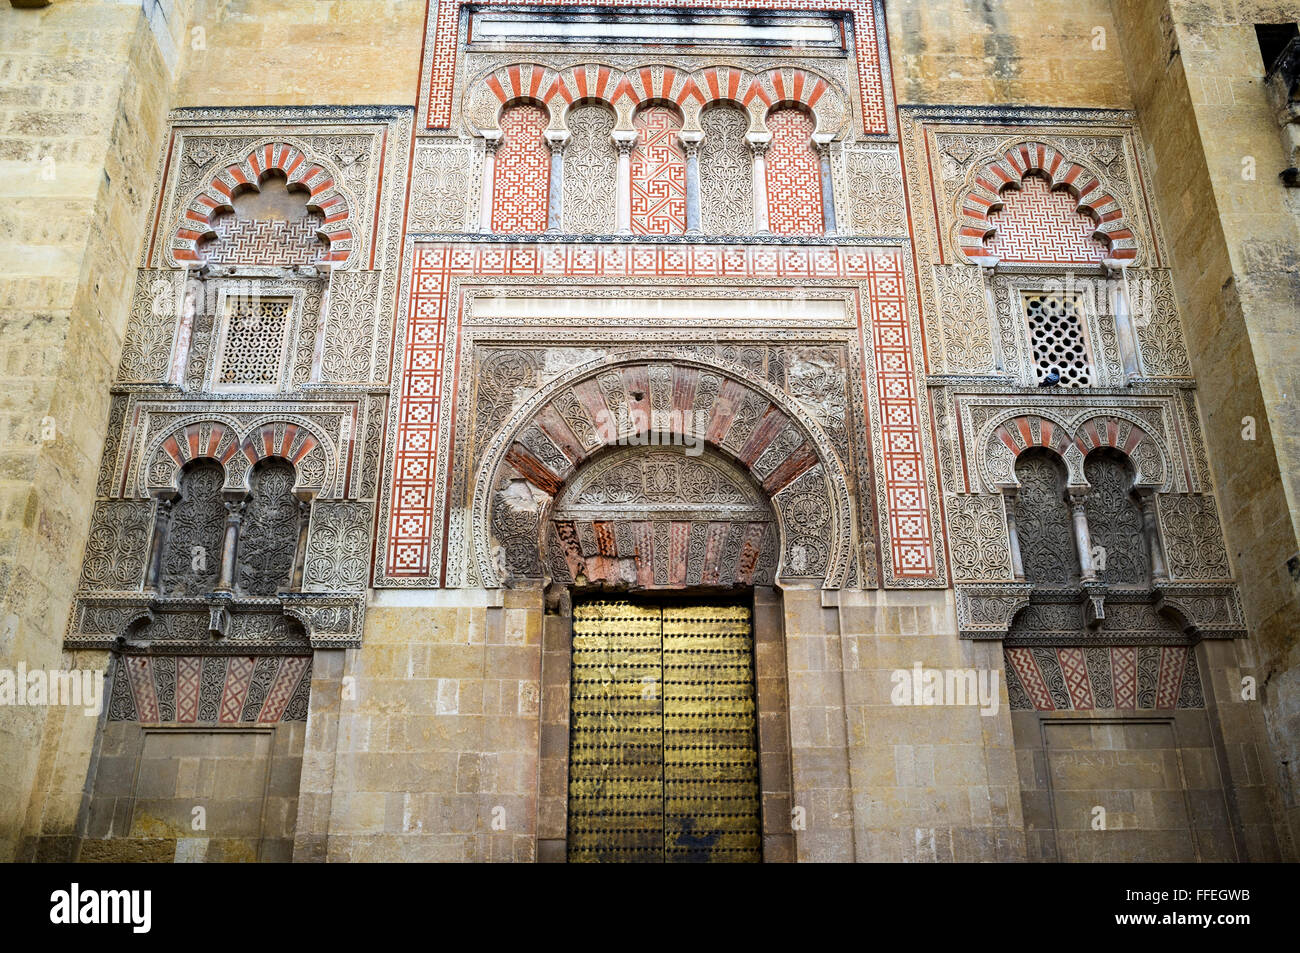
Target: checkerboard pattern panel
(412, 521)
(443, 45)
(1040, 225)
(658, 174)
(521, 181)
(794, 176)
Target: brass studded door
(663, 760)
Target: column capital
(624, 140)
(557, 139)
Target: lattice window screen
(1060, 345)
(255, 334)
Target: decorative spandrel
(663, 759)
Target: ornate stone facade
(707, 319)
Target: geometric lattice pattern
(1120, 678)
(658, 174)
(521, 181)
(189, 689)
(879, 272)
(254, 344)
(794, 176)
(1056, 334)
(251, 242)
(443, 46)
(1040, 225)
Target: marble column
(828, 186)
(1082, 539)
(1010, 492)
(230, 542)
(490, 143)
(761, 222)
(555, 197)
(1124, 326)
(691, 142)
(624, 141)
(1151, 529)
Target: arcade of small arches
(656, 168)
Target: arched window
(268, 225)
(726, 172)
(658, 173)
(268, 532)
(521, 182)
(794, 175)
(1042, 225)
(1047, 548)
(191, 557)
(1115, 521)
(590, 171)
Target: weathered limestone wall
(85, 88)
(1234, 242)
(1029, 52)
(432, 751)
(301, 52)
(930, 782)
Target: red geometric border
(870, 80)
(412, 520)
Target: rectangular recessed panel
(616, 746)
(711, 806)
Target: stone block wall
(85, 92)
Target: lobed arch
(986, 184)
(325, 195)
(237, 448)
(738, 417)
(1005, 438)
(626, 90)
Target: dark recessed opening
(1273, 38)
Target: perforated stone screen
(253, 352)
(1059, 342)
